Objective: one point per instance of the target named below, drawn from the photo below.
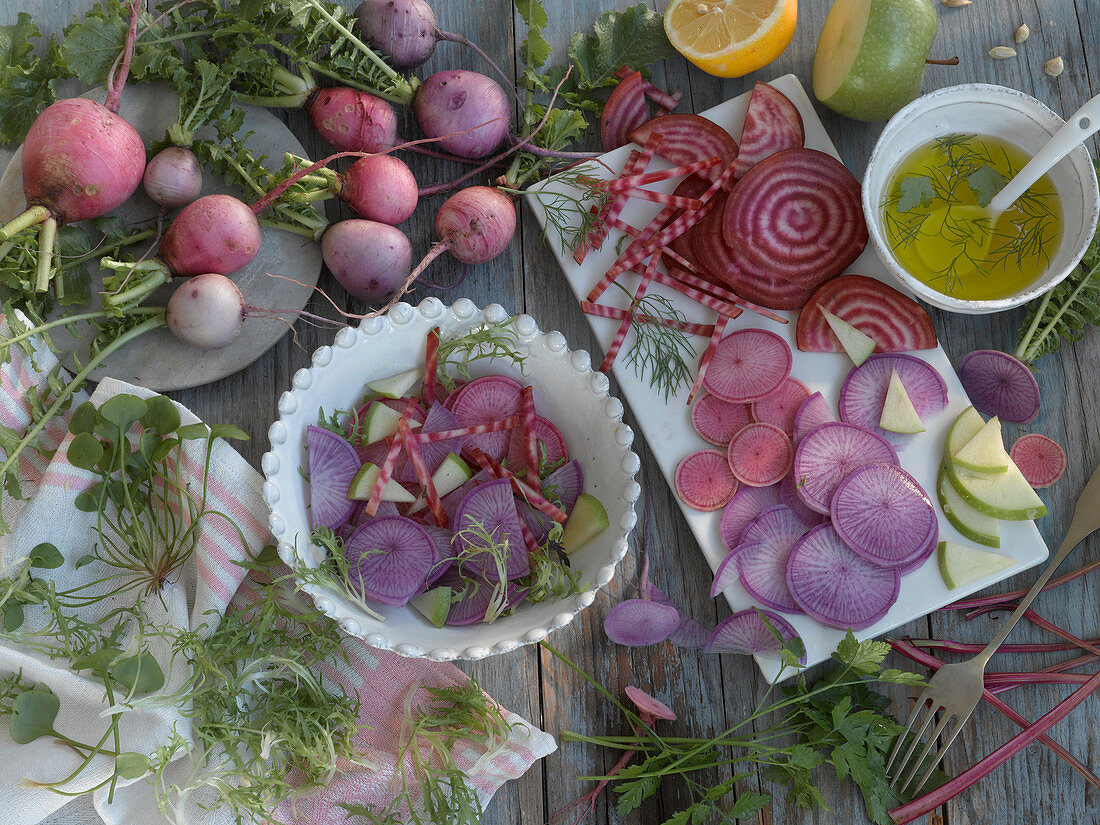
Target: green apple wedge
(963, 428)
(898, 413)
(1004, 495)
(363, 484)
(858, 344)
(870, 56)
(587, 520)
(961, 565)
(985, 452)
(969, 522)
(434, 604)
(395, 386)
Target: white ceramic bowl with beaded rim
(567, 391)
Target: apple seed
(1054, 67)
(1023, 33)
(1002, 52)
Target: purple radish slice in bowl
(1000, 385)
(704, 481)
(717, 421)
(829, 453)
(391, 558)
(333, 463)
(490, 509)
(745, 632)
(837, 587)
(884, 515)
(864, 391)
(439, 419)
(747, 365)
(760, 455)
(562, 487)
(747, 503)
(552, 450)
(813, 412)
(442, 538)
(480, 600)
(640, 622)
(483, 400)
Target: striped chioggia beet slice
(691, 187)
(704, 480)
(689, 633)
(895, 322)
(814, 411)
(762, 564)
(999, 385)
(641, 622)
(864, 391)
(746, 504)
(727, 572)
(781, 405)
(624, 111)
(772, 123)
(883, 514)
(438, 419)
(717, 421)
(747, 365)
(391, 558)
(760, 455)
(745, 632)
(788, 494)
(490, 509)
(486, 399)
(828, 453)
(686, 138)
(549, 441)
(333, 463)
(837, 587)
(1041, 460)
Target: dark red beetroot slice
(391, 558)
(745, 632)
(718, 421)
(828, 453)
(813, 412)
(762, 564)
(747, 365)
(624, 112)
(895, 322)
(788, 494)
(883, 514)
(999, 385)
(550, 441)
(772, 123)
(703, 480)
(687, 138)
(640, 622)
(864, 391)
(483, 400)
(479, 593)
(797, 214)
(835, 586)
(780, 406)
(746, 504)
(490, 507)
(1041, 460)
(438, 419)
(333, 463)
(760, 455)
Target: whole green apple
(870, 56)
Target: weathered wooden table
(709, 691)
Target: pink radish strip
(718, 421)
(509, 423)
(830, 452)
(748, 365)
(431, 365)
(624, 111)
(384, 476)
(531, 454)
(524, 491)
(708, 355)
(745, 632)
(1000, 385)
(813, 412)
(704, 482)
(746, 504)
(617, 314)
(864, 391)
(709, 301)
(423, 475)
(634, 181)
(781, 405)
(650, 229)
(664, 198)
(760, 455)
(624, 326)
(1041, 460)
(724, 294)
(658, 96)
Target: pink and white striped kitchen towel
(210, 582)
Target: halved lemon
(730, 38)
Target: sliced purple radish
(727, 572)
(477, 598)
(438, 419)
(718, 421)
(883, 515)
(830, 452)
(486, 399)
(490, 509)
(1041, 460)
(747, 503)
(442, 538)
(454, 498)
(760, 455)
(689, 633)
(391, 558)
(788, 493)
(745, 632)
(549, 440)
(772, 123)
(781, 405)
(359, 516)
(922, 557)
(449, 401)
(762, 564)
(562, 487)
(864, 391)
(1000, 385)
(814, 411)
(333, 463)
(747, 365)
(640, 622)
(704, 481)
(837, 587)
(779, 520)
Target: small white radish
(207, 312)
(173, 177)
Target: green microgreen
(486, 342)
(484, 549)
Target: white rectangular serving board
(667, 425)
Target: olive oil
(939, 227)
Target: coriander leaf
(535, 50)
(985, 183)
(916, 190)
(749, 803)
(863, 657)
(634, 37)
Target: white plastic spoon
(1084, 123)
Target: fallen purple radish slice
(746, 504)
(490, 509)
(781, 405)
(647, 705)
(391, 558)
(883, 515)
(718, 421)
(727, 572)
(689, 633)
(760, 455)
(864, 391)
(745, 632)
(483, 400)
(704, 482)
(788, 493)
(814, 412)
(830, 452)
(333, 463)
(439, 419)
(835, 586)
(1041, 460)
(747, 365)
(1000, 385)
(640, 622)
(762, 564)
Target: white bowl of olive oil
(936, 166)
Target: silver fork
(956, 688)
